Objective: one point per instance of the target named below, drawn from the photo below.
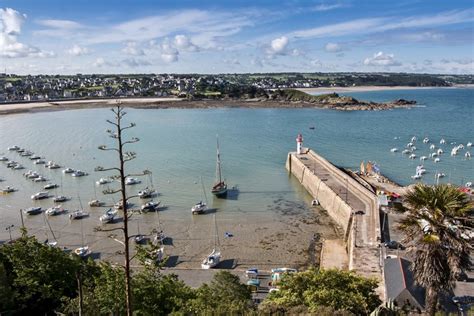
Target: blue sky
(138, 36)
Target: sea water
(179, 147)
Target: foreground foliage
(438, 218)
(36, 279)
(313, 290)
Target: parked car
(393, 244)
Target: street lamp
(9, 228)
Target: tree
(434, 228)
(336, 289)
(38, 277)
(225, 295)
(124, 156)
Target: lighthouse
(299, 143)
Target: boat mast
(218, 164)
(204, 191)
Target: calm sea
(179, 147)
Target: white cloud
(133, 63)
(60, 24)
(169, 54)
(77, 50)
(316, 63)
(183, 42)
(333, 47)
(374, 25)
(10, 28)
(11, 21)
(132, 48)
(101, 62)
(327, 7)
(279, 44)
(382, 59)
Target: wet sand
(290, 237)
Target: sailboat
(139, 238)
(84, 250)
(220, 187)
(78, 214)
(59, 198)
(149, 191)
(214, 257)
(200, 207)
(47, 242)
(95, 202)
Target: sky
(162, 36)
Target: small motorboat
(150, 206)
(68, 170)
(7, 189)
(79, 214)
(103, 181)
(39, 162)
(211, 260)
(3, 158)
(40, 196)
(432, 147)
(33, 210)
(95, 203)
(40, 179)
(119, 205)
(35, 157)
(50, 186)
(394, 150)
(467, 154)
(82, 252)
(412, 156)
(52, 165)
(60, 198)
(469, 144)
(439, 151)
(26, 154)
(440, 175)
(18, 167)
(78, 173)
(442, 141)
(437, 160)
(108, 216)
(413, 139)
(426, 140)
(199, 208)
(21, 150)
(132, 181)
(55, 210)
(423, 158)
(139, 239)
(13, 148)
(416, 176)
(406, 151)
(146, 193)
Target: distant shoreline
(177, 103)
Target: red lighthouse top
(299, 138)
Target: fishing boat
(150, 206)
(68, 170)
(214, 257)
(199, 208)
(40, 195)
(55, 210)
(95, 203)
(132, 181)
(60, 198)
(219, 189)
(7, 189)
(78, 173)
(32, 210)
(83, 252)
(79, 214)
(108, 216)
(50, 186)
(103, 181)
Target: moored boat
(108, 216)
(40, 196)
(219, 189)
(32, 210)
(79, 214)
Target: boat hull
(220, 191)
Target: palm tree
(435, 235)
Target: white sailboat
(213, 259)
(200, 207)
(84, 250)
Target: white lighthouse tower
(299, 144)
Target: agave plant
(439, 219)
